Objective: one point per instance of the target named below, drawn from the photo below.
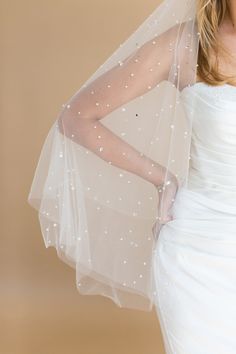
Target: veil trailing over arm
(107, 166)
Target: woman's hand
(167, 192)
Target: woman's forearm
(94, 136)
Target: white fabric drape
(123, 133)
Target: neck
(232, 12)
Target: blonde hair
(210, 14)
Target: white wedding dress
(195, 255)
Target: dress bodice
(212, 168)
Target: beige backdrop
(48, 49)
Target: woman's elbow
(72, 124)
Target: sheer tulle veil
(96, 206)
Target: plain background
(48, 49)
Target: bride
(196, 251)
(143, 206)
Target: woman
(196, 252)
(163, 161)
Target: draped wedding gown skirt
(195, 254)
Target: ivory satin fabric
(195, 254)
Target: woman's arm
(139, 73)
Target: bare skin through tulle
(166, 199)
